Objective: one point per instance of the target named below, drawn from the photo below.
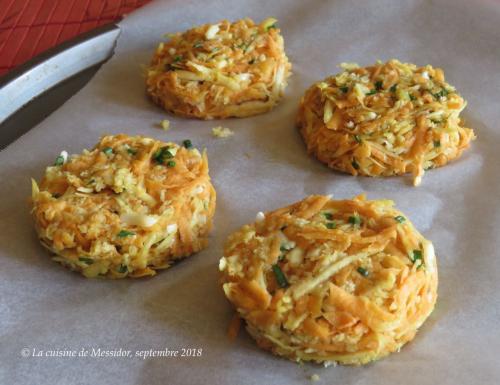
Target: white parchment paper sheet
(43, 306)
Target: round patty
(220, 70)
(387, 119)
(324, 280)
(128, 207)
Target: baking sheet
(49, 311)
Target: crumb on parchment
(222, 132)
(165, 124)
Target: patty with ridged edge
(220, 70)
(331, 281)
(128, 207)
(386, 119)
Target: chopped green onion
(162, 154)
(171, 163)
(440, 94)
(328, 216)
(187, 143)
(393, 88)
(125, 233)
(379, 84)
(88, 261)
(437, 143)
(400, 219)
(132, 151)
(283, 248)
(355, 164)
(198, 44)
(107, 150)
(280, 276)
(330, 225)
(357, 138)
(416, 255)
(344, 89)
(362, 271)
(122, 269)
(354, 220)
(59, 161)
(178, 58)
(274, 25)
(281, 257)
(371, 92)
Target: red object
(29, 27)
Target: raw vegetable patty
(345, 281)
(387, 119)
(128, 207)
(220, 70)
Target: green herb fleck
(393, 88)
(437, 143)
(328, 216)
(412, 97)
(59, 161)
(355, 164)
(362, 271)
(280, 276)
(177, 59)
(171, 163)
(400, 219)
(88, 261)
(379, 84)
(357, 138)
(355, 220)
(132, 151)
(122, 269)
(330, 225)
(107, 150)
(344, 89)
(440, 94)
(371, 92)
(198, 44)
(161, 155)
(416, 255)
(187, 143)
(274, 25)
(125, 233)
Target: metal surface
(31, 92)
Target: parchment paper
(262, 167)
